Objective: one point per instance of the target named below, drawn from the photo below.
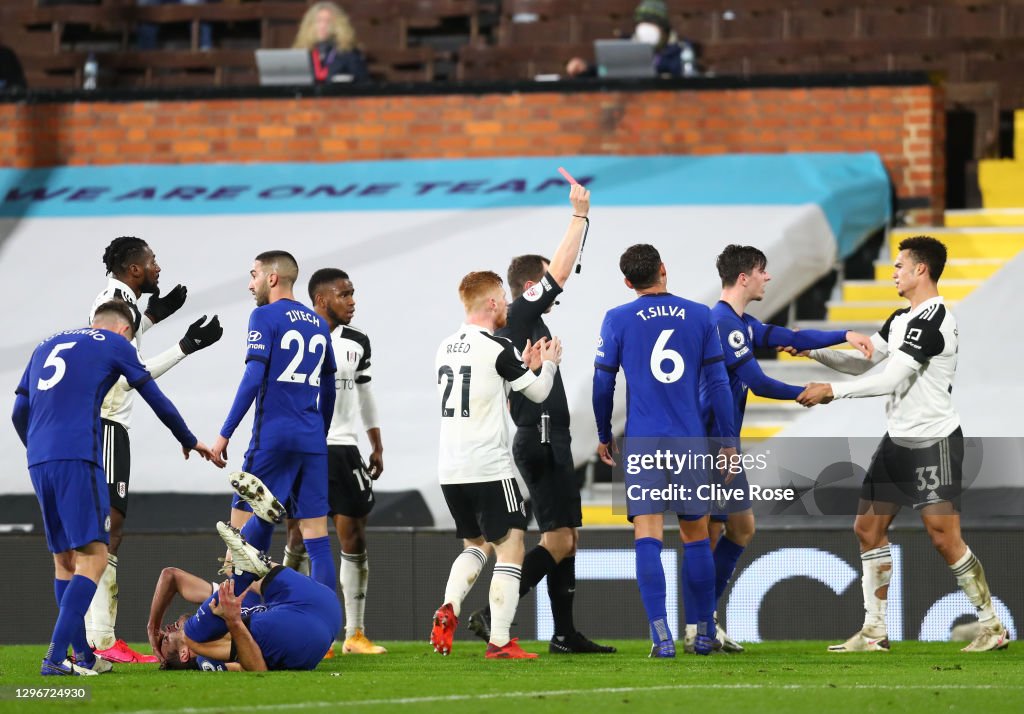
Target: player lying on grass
(285, 620)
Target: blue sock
(79, 642)
(257, 532)
(59, 587)
(699, 570)
(321, 562)
(727, 554)
(650, 577)
(73, 605)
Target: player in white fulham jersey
(919, 461)
(133, 271)
(349, 480)
(475, 373)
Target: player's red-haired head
(484, 291)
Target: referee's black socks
(537, 563)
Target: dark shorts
(301, 620)
(349, 486)
(298, 480)
(916, 472)
(550, 476)
(490, 509)
(652, 489)
(73, 499)
(117, 463)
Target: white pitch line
(558, 693)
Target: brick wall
(905, 125)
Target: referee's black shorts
(117, 463)
(550, 476)
(916, 472)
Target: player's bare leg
(943, 525)
(871, 528)
(464, 573)
(354, 575)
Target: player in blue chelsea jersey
(57, 417)
(267, 617)
(665, 344)
(289, 372)
(744, 274)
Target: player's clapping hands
(861, 342)
(815, 393)
(160, 308)
(551, 350)
(531, 354)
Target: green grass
(772, 677)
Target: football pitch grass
(770, 677)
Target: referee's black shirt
(526, 322)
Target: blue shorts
(653, 488)
(298, 480)
(75, 503)
(300, 623)
(737, 500)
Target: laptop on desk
(284, 67)
(624, 59)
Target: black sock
(562, 590)
(537, 563)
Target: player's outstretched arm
(848, 361)
(884, 383)
(229, 607)
(803, 340)
(244, 397)
(565, 255)
(764, 386)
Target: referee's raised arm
(568, 251)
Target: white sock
(353, 573)
(504, 597)
(970, 576)
(877, 564)
(465, 570)
(296, 561)
(102, 613)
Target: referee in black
(541, 446)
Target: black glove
(199, 336)
(160, 308)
